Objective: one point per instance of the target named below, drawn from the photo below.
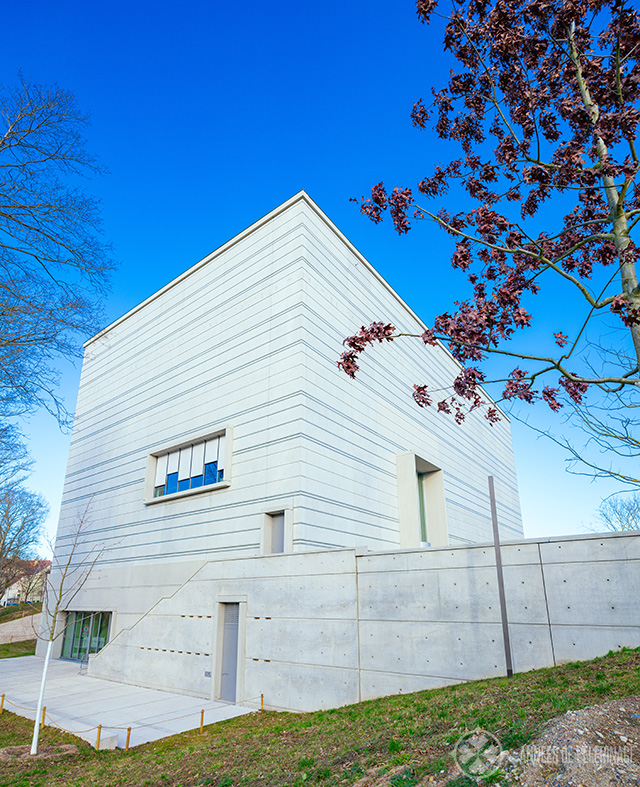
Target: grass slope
(18, 611)
(25, 647)
(336, 747)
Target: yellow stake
(201, 720)
(1, 703)
(98, 737)
(262, 702)
(44, 710)
(126, 748)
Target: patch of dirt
(46, 752)
(387, 777)
(597, 746)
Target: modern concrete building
(216, 439)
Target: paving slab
(79, 703)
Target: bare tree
(14, 459)
(70, 570)
(22, 514)
(619, 513)
(53, 262)
(32, 583)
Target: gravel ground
(599, 745)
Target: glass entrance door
(85, 633)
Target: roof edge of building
(300, 196)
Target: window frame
(225, 431)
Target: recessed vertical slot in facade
(424, 540)
(229, 665)
(431, 505)
(276, 532)
(422, 511)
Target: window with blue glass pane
(211, 473)
(172, 483)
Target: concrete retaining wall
(334, 627)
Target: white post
(36, 724)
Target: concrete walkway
(77, 702)
(20, 629)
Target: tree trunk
(36, 724)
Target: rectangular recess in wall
(421, 502)
(276, 526)
(229, 662)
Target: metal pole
(36, 728)
(86, 655)
(501, 593)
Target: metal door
(229, 665)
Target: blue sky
(208, 115)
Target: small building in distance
(29, 587)
(232, 473)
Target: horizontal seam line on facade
(306, 664)
(451, 622)
(267, 250)
(302, 493)
(273, 618)
(416, 675)
(450, 479)
(313, 237)
(174, 398)
(130, 344)
(496, 622)
(221, 533)
(159, 557)
(234, 418)
(343, 453)
(399, 400)
(226, 506)
(534, 562)
(152, 523)
(592, 625)
(418, 569)
(281, 661)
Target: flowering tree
(543, 106)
